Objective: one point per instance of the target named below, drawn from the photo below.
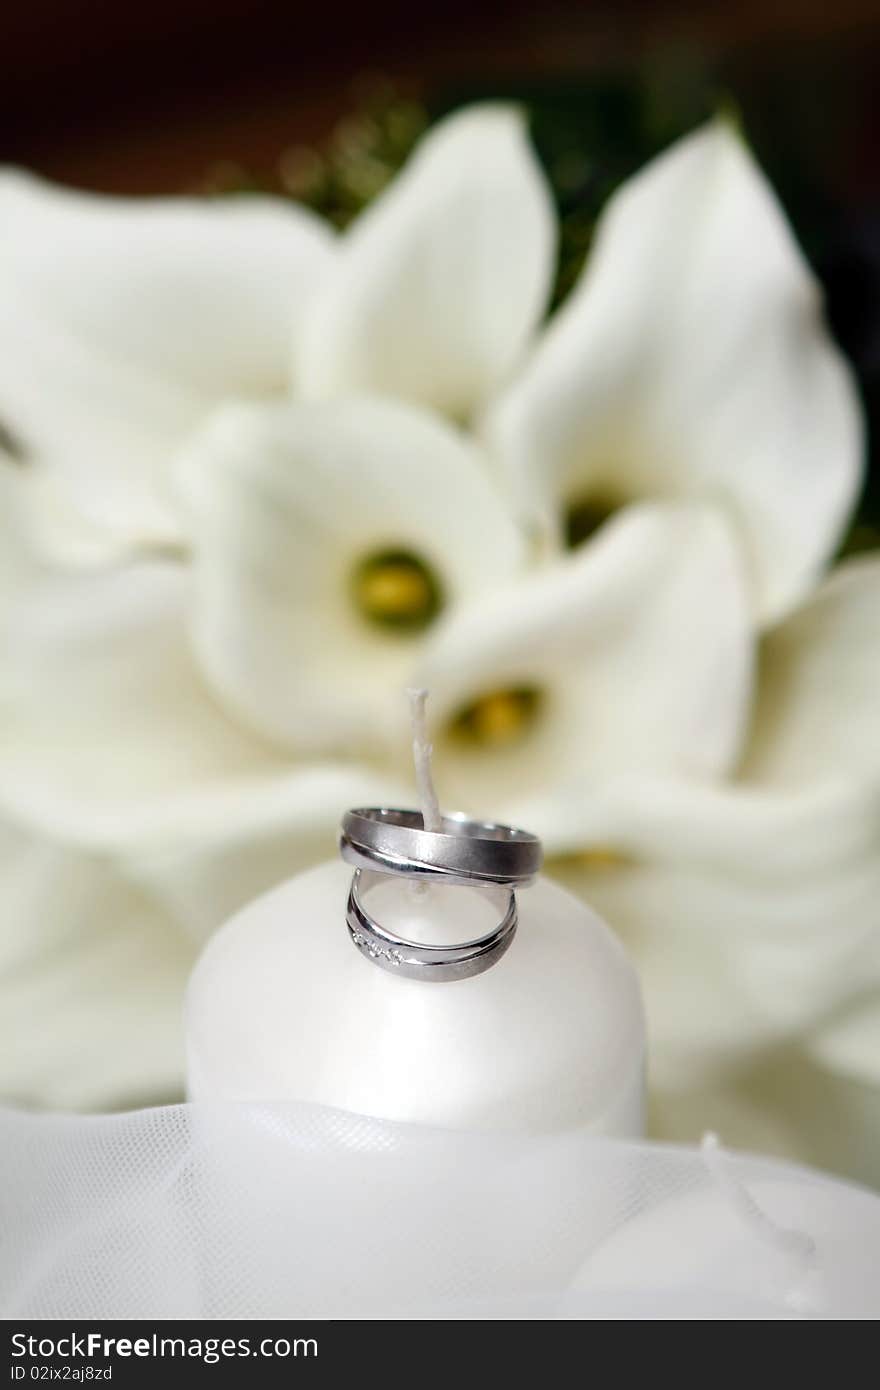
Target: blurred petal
(752, 916)
(763, 872)
(753, 911)
(693, 359)
(124, 321)
(208, 856)
(638, 653)
(42, 524)
(136, 817)
(780, 1100)
(112, 745)
(100, 697)
(842, 1063)
(819, 689)
(92, 975)
(441, 282)
(285, 503)
(110, 736)
(849, 1042)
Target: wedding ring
(463, 851)
(418, 961)
(474, 853)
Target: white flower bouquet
(258, 477)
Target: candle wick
(799, 1246)
(422, 752)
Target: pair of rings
(467, 852)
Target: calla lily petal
(123, 322)
(101, 928)
(286, 504)
(848, 1043)
(208, 856)
(692, 359)
(441, 282)
(92, 976)
(100, 695)
(637, 653)
(819, 689)
(752, 915)
(112, 742)
(136, 818)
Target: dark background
(140, 97)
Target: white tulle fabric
(294, 1211)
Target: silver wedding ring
(472, 853)
(464, 851)
(418, 961)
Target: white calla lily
(441, 282)
(633, 656)
(692, 359)
(112, 742)
(753, 908)
(307, 520)
(124, 322)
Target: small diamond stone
(375, 951)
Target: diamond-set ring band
(418, 961)
(384, 840)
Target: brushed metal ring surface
(417, 961)
(393, 841)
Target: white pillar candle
(283, 1006)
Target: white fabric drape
(248, 1211)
